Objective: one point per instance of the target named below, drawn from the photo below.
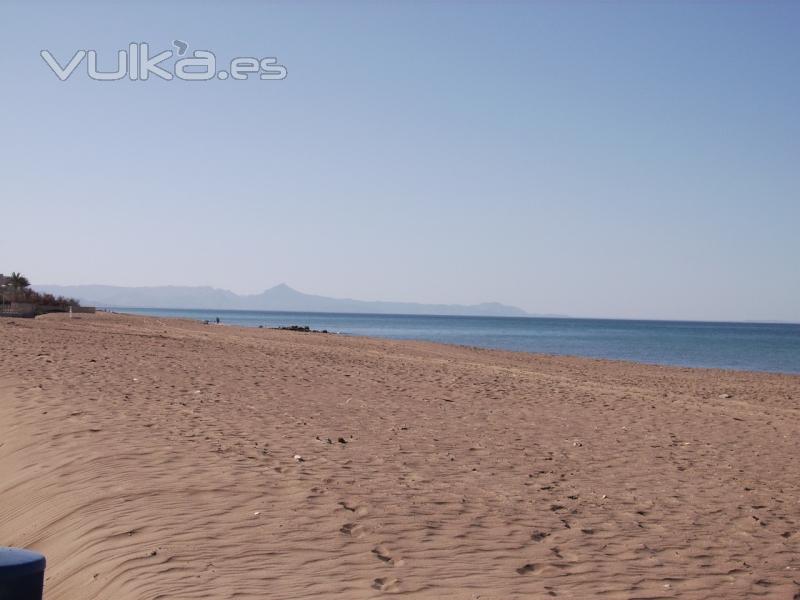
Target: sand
(166, 459)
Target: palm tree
(19, 281)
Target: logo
(137, 63)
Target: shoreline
(474, 347)
(156, 457)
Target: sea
(736, 346)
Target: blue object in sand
(21, 574)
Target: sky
(595, 159)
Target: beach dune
(164, 459)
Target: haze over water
(740, 346)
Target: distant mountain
(280, 297)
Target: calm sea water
(748, 346)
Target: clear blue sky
(619, 159)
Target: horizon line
(529, 314)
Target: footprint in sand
(386, 584)
(382, 553)
(360, 511)
(355, 530)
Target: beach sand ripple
(165, 459)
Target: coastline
(155, 457)
(727, 346)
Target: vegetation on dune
(16, 288)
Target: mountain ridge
(281, 297)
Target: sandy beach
(165, 459)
